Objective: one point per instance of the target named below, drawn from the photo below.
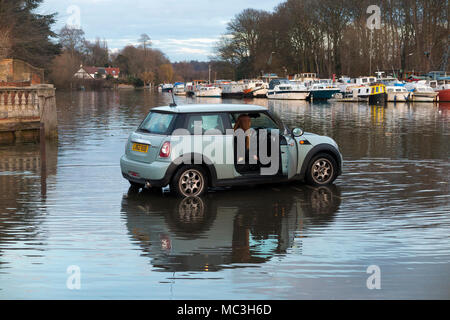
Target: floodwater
(389, 209)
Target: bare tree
(145, 40)
(72, 40)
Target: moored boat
(442, 87)
(284, 89)
(322, 91)
(178, 89)
(421, 92)
(377, 94)
(397, 94)
(255, 89)
(167, 87)
(208, 91)
(231, 89)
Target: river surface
(71, 216)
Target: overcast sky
(183, 30)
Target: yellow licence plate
(140, 147)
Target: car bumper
(156, 173)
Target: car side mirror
(297, 132)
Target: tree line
(139, 64)
(333, 37)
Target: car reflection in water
(227, 229)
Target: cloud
(192, 51)
(182, 29)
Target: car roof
(199, 108)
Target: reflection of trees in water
(226, 227)
(22, 188)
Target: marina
(376, 90)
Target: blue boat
(320, 91)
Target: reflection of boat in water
(237, 226)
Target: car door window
(208, 122)
(259, 120)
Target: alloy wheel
(191, 183)
(322, 171)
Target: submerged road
(76, 231)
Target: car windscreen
(157, 123)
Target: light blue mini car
(193, 147)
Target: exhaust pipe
(148, 185)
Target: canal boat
(283, 89)
(378, 95)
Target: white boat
(421, 92)
(348, 84)
(231, 89)
(283, 89)
(352, 94)
(208, 91)
(356, 89)
(307, 78)
(387, 80)
(255, 89)
(193, 86)
(167, 87)
(397, 94)
(178, 89)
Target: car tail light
(165, 150)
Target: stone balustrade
(23, 110)
(23, 103)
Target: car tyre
(189, 181)
(322, 170)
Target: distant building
(14, 72)
(96, 73)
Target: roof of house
(102, 70)
(112, 71)
(90, 70)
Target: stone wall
(24, 110)
(13, 72)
